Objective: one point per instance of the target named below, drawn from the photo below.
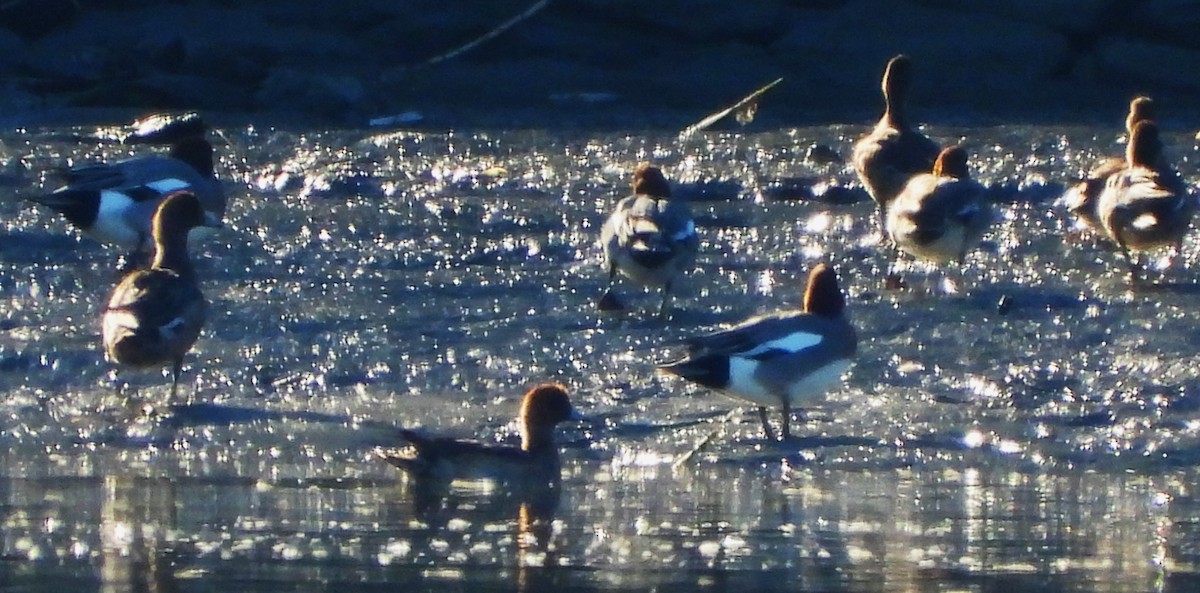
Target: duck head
(542, 408)
(897, 78)
(952, 162)
(823, 296)
(177, 214)
(195, 151)
(648, 180)
(1141, 108)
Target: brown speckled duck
(1082, 198)
(894, 151)
(1146, 204)
(448, 459)
(154, 315)
(939, 216)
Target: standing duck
(778, 360)
(1081, 199)
(649, 238)
(114, 202)
(1145, 204)
(446, 459)
(939, 216)
(887, 157)
(154, 315)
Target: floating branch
(743, 111)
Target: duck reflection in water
(137, 514)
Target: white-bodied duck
(114, 203)
(782, 360)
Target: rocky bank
(617, 63)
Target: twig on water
(743, 110)
(702, 443)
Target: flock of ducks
(926, 203)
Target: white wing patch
(164, 186)
(1145, 221)
(791, 343)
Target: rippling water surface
(371, 280)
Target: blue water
(369, 280)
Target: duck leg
(176, 369)
(1135, 266)
(608, 301)
(881, 218)
(665, 310)
(766, 422)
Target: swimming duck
(154, 315)
(448, 459)
(114, 202)
(649, 238)
(784, 359)
(1145, 204)
(894, 151)
(1081, 199)
(939, 216)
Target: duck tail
(64, 198)
(132, 347)
(709, 370)
(78, 206)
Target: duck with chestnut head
(782, 360)
(446, 459)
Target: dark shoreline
(590, 64)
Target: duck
(155, 314)
(446, 459)
(779, 360)
(1082, 198)
(940, 215)
(894, 151)
(114, 203)
(649, 238)
(1146, 204)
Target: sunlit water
(366, 281)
